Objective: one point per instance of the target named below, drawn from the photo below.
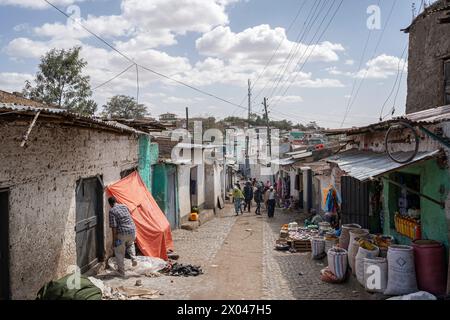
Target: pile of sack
(379, 265)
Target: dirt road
(235, 273)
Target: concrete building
(53, 168)
(429, 58)
(198, 181)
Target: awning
(364, 165)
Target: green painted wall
(145, 167)
(434, 222)
(160, 187)
(154, 153)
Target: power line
(137, 84)
(295, 49)
(115, 77)
(281, 42)
(395, 82)
(298, 40)
(398, 90)
(313, 49)
(144, 67)
(353, 99)
(274, 54)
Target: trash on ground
(178, 270)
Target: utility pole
(249, 101)
(247, 138)
(268, 128)
(187, 119)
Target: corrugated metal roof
(425, 117)
(364, 165)
(302, 155)
(8, 108)
(429, 116)
(283, 162)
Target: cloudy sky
(313, 59)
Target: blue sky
(216, 45)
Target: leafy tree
(60, 82)
(124, 107)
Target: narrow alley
(239, 262)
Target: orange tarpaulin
(154, 237)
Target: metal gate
(89, 223)
(355, 201)
(172, 214)
(4, 245)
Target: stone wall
(42, 181)
(429, 47)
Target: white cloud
(288, 99)
(13, 81)
(22, 27)
(37, 4)
(256, 46)
(349, 62)
(382, 67)
(179, 16)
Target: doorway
(194, 187)
(4, 245)
(172, 211)
(89, 223)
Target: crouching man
(124, 234)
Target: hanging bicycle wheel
(402, 142)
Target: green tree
(60, 82)
(124, 107)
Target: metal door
(89, 223)
(171, 213)
(355, 201)
(4, 245)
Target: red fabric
(153, 234)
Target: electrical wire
(274, 54)
(144, 67)
(395, 83)
(113, 78)
(312, 50)
(295, 49)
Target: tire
(417, 142)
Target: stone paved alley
(239, 262)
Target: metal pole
(247, 139)
(224, 150)
(268, 128)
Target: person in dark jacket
(258, 197)
(248, 195)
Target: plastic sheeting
(154, 237)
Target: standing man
(238, 196)
(124, 234)
(271, 203)
(258, 198)
(248, 194)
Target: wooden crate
(301, 245)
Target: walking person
(248, 195)
(124, 234)
(271, 203)
(238, 196)
(266, 198)
(258, 196)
